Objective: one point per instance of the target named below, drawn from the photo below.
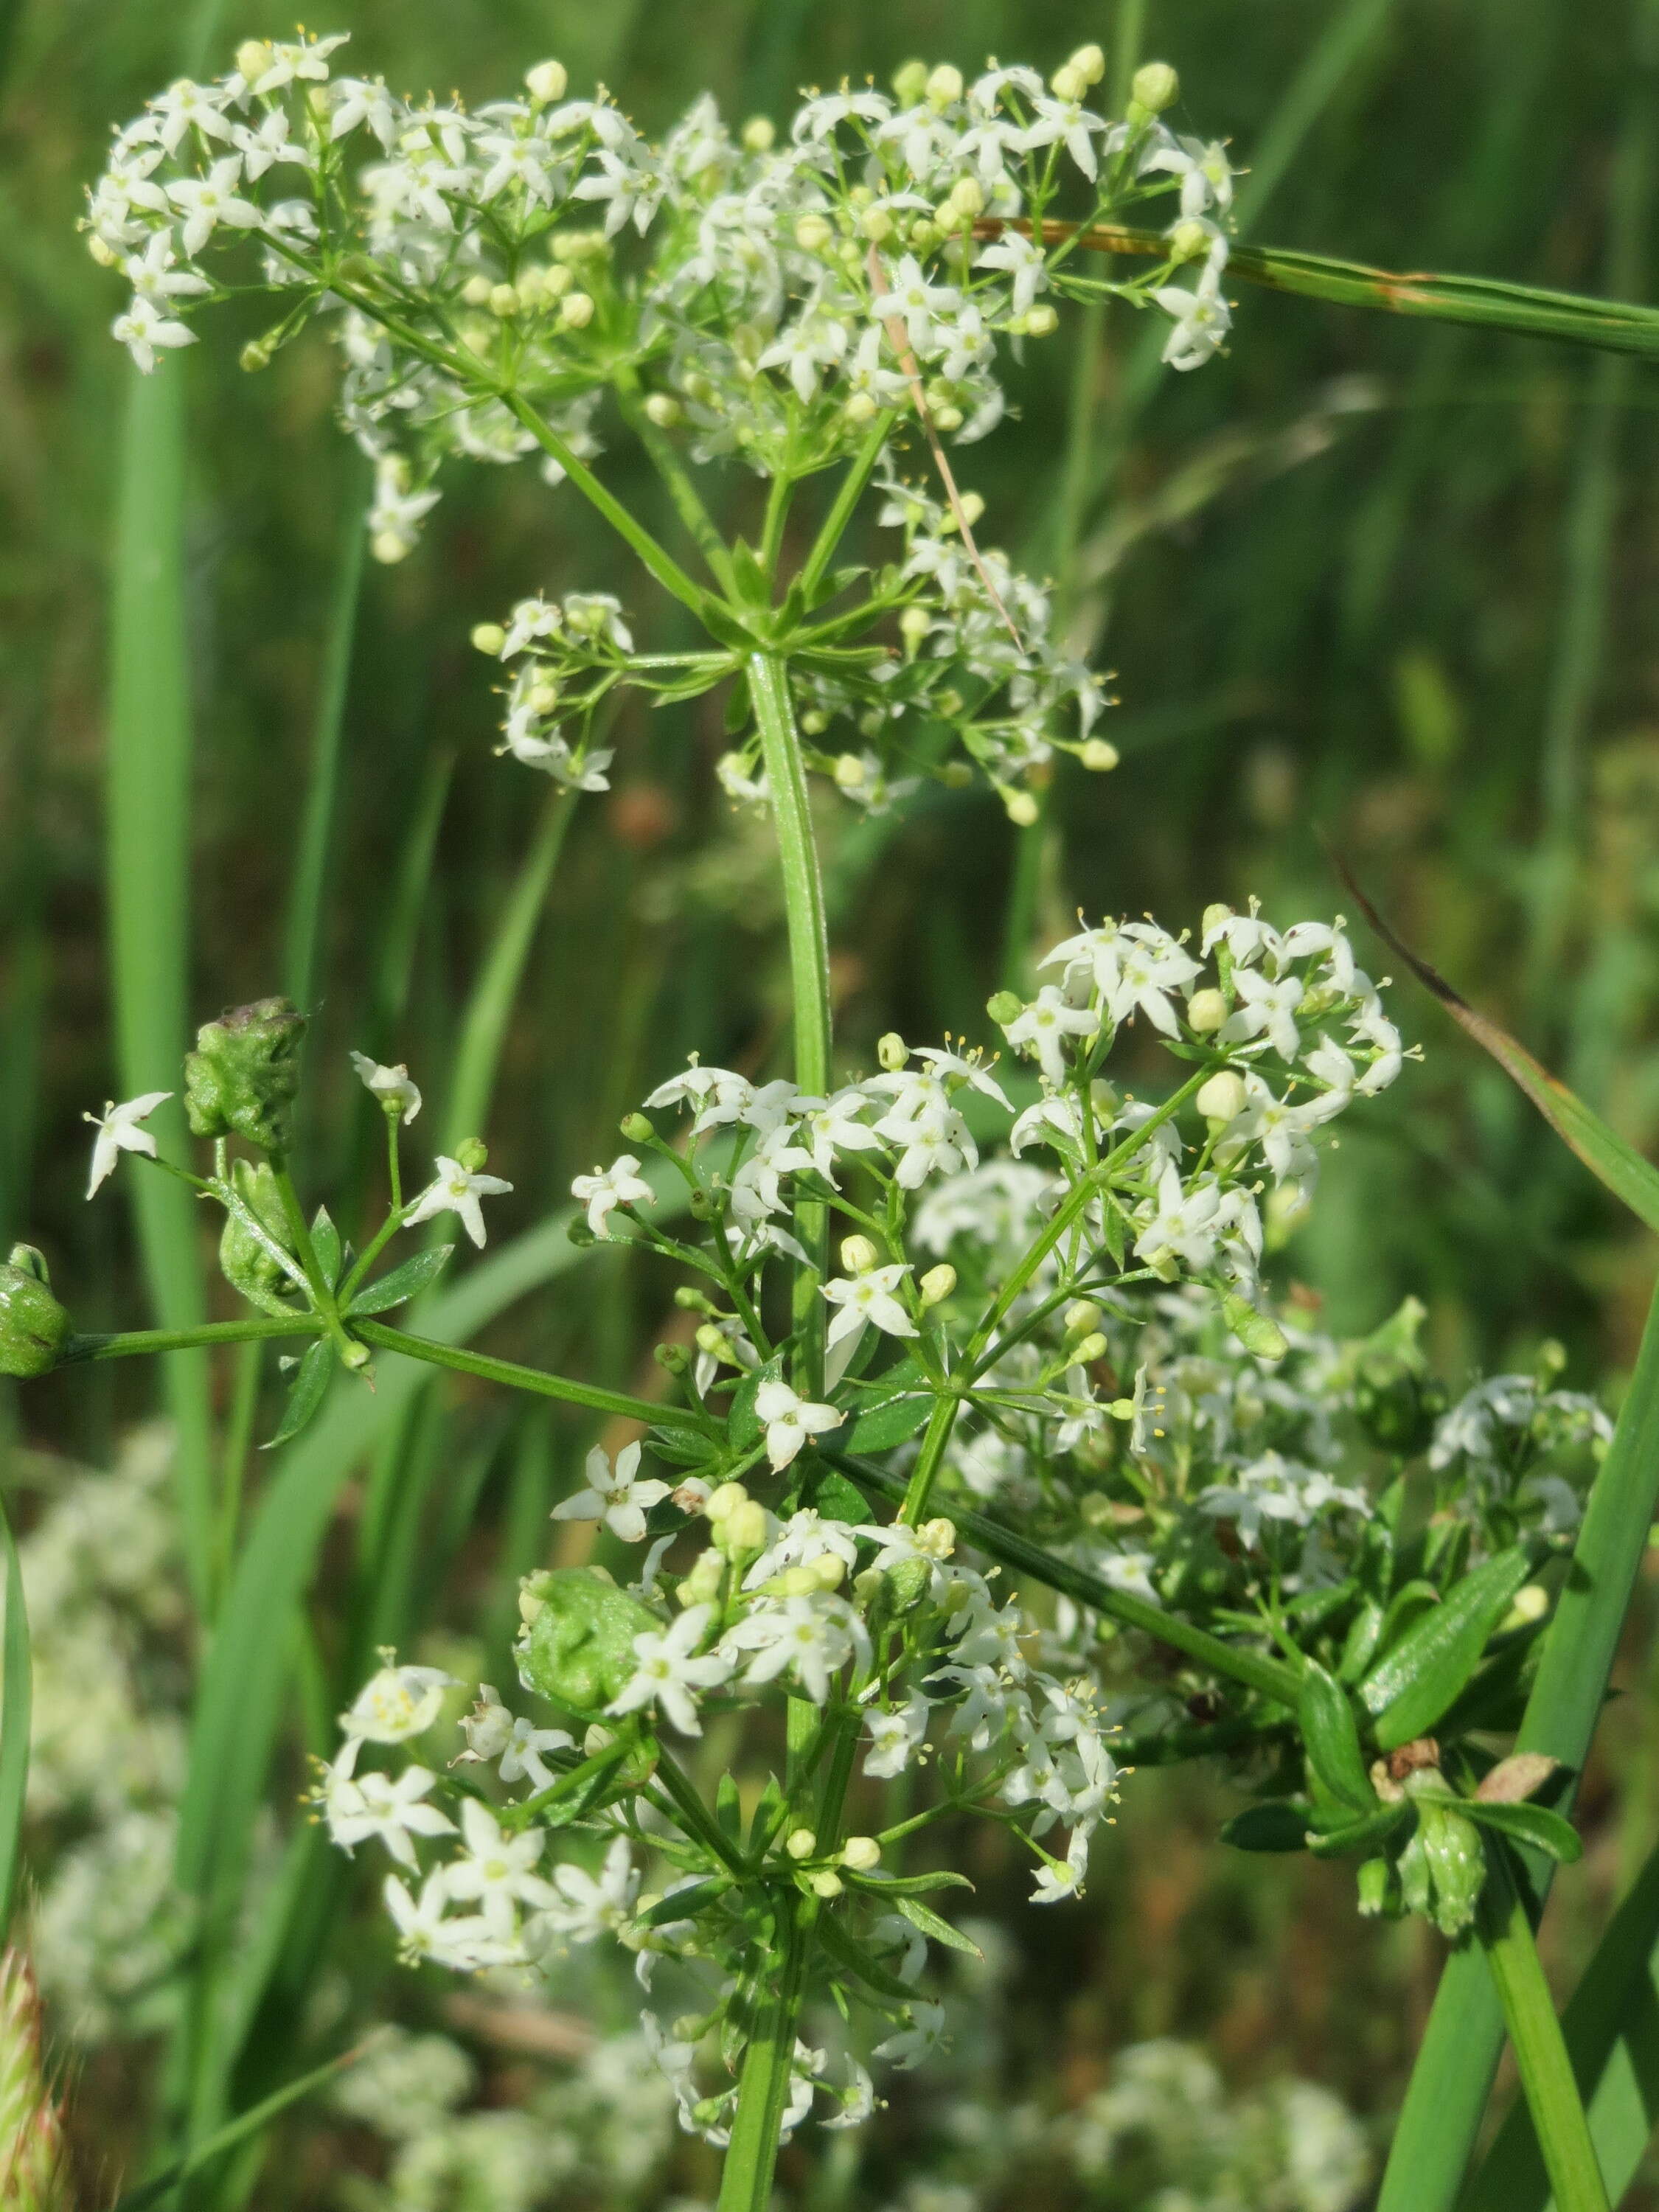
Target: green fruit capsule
(241, 1079)
(33, 1327)
(579, 1649)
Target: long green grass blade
(149, 865)
(16, 1700)
(239, 2131)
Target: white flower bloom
(858, 2100)
(497, 1870)
(789, 1420)
(1040, 1031)
(1183, 1224)
(868, 1297)
(118, 1132)
(391, 1086)
(457, 1191)
(361, 1806)
(963, 1067)
(911, 300)
(894, 1737)
(917, 2041)
(466, 1945)
(586, 1906)
(1202, 319)
(1055, 1884)
(495, 1735)
(934, 1142)
(670, 1668)
(1024, 263)
(613, 1495)
(1205, 174)
(806, 1536)
(144, 327)
(397, 1703)
(827, 1127)
(809, 1638)
(206, 202)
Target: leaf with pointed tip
(1328, 1728)
(937, 1930)
(403, 1282)
(1360, 1835)
(1528, 1824)
(893, 1410)
(1275, 1825)
(1415, 1682)
(325, 1243)
(685, 1903)
(306, 1391)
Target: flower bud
(1089, 1348)
(1206, 1011)
(1082, 1317)
(542, 696)
(547, 81)
(254, 59)
(1223, 1098)
(909, 82)
(937, 1539)
(947, 418)
(759, 134)
(851, 771)
(664, 410)
(241, 1079)
(813, 232)
(914, 626)
(795, 1582)
(1041, 321)
(857, 1254)
(578, 1233)
(860, 1853)
(1068, 81)
(102, 251)
(1099, 754)
(892, 1051)
(637, 1128)
(1004, 1008)
(1021, 807)
(1155, 87)
(258, 353)
(713, 1340)
(489, 637)
(726, 1500)
(825, 1883)
(1531, 1603)
(1089, 63)
(1190, 239)
(828, 1570)
(576, 310)
(703, 1583)
(938, 1282)
(944, 85)
(968, 194)
(744, 1529)
(472, 1153)
(672, 1358)
(878, 225)
(33, 1327)
(801, 1844)
(503, 301)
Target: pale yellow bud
(909, 81)
(968, 194)
(1099, 754)
(102, 251)
(850, 773)
(1222, 1096)
(892, 1051)
(744, 1527)
(796, 1581)
(477, 291)
(725, 1501)
(576, 310)
(597, 1738)
(860, 408)
(813, 232)
(972, 504)
(759, 134)
(860, 1853)
(937, 1539)
(543, 698)
(1155, 87)
(557, 280)
(877, 224)
(389, 549)
(503, 301)
(1021, 808)
(1042, 321)
(824, 1883)
(547, 82)
(1068, 81)
(1531, 1602)
(254, 59)
(1190, 239)
(944, 85)
(857, 1254)
(914, 626)
(1206, 1011)
(1089, 63)
(664, 410)
(947, 418)
(1082, 1316)
(1089, 1350)
(801, 1844)
(489, 637)
(938, 1282)
(828, 1570)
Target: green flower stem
(777, 514)
(834, 527)
(688, 501)
(1272, 1677)
(512, 1376)
(809, 974)
(751, 2158)
(144, 1343)
(322, 1290)
(694, 1813)
(1546, 2076)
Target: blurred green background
(1372, 586)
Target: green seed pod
(241, 1079)
(248, 1263)
(580, 1652)
(33, 1327)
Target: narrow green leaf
(894, 1413)
(1362, 1836)
(1273, 1825)
(939, 1930)
(234, 2132)
(325, 1243)
(685, 1903)
(1333, 1740)
(16, 1700)
(1412, 1685)
(848, 1953)
(403, 1282)
(1535, 1824)
(306, 1392)
(910, 1884)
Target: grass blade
(16, 1688)
(234, 2132)
(149, 868)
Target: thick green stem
(763, 2086)
(809, 973)
(1540, 2053)
(145, 1343)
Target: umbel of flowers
(794, 298)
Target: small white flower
(789, 1420)
(670, 1668)
(457, 1190)
(894, 1737)
(144, 327)
(1202, 320)
(492, 1734)
(917, 2041)
(586, 1906)
(118, 1132)
(397, 1703)
(868, 1297)
(606, 1188)
(1056, 1883)
(390, 1085)
(357, 1807)
(496, 1869)
(613, 1496)
(810, 1637)
(1040, 1031)
(466, 1945)
(206, 202)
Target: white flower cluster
(790, 286)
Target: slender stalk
(145, 1343)
(751, 2158)
(1540, 2053)
(809, 972)
(677, 478)
(833, 527)
(515, 1377)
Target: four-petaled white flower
(359, 1806)
(118, 1132)
(810, 1637)
(494, 1735)
(613, 1495)
(869, 1297)
(457, 1190)
(670, 1668)
(606, 1188)
(497, 1870)
(206, 202)
(397, 1703)
(894, 1737)
(1041, 1029)
(1202, 319)
(391, 1086)
(915, 2042)
(466, 1945)
(587, 1905)
(789, 1420)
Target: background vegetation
(1371, 585)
